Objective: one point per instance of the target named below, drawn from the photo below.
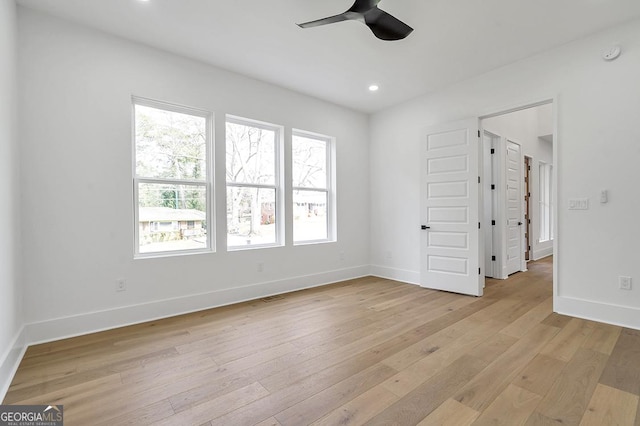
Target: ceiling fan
(383, 25)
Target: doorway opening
(517, 159)
(472, 226)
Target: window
(171, 178)
(253, 184)
(546, 200)
(312, 182)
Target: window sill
(155, 255)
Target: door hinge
(493, 258)
(478, 179)
(478, 133)
(529, 248)
(493, 222)
(493, 151)
(493, 187)
(478, 225)
(529, 221)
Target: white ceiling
(453, 39)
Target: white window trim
(278, 180)
(207, 183)
(545, 173)
(329, 189)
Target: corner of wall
(10, 361)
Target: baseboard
(542, 253)
(403, 275)
(623, 316)
(11, 360)
(92, 322)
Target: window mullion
(171, 181)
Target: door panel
(527, 208)
(450, 253)
(514, 208)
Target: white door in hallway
(514, 208)
(449, 188)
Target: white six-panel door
(514, 208)
(450, 252)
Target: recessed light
(373, 88)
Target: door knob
(519, 223)
(423, 227)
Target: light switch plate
(579, 204)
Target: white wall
(10, 288)
(598, 147)
(525, 127)
(75, 122)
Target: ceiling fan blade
(324, 21)
(362, 6)
(386, 26)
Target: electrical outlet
(625, 283)
(121, 285)
(260, 266)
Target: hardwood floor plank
(269, 422)
(493, 347)
(526, 322)
(481, 391)
(622, 377)
(168, 369)
(216, 407)
(603, 338)
(512, 407)
(557, 320)
(325, 401)
(570, 394)
(360, 409)
(67, 394)
(279, 401)
(151, 414)
(429, 345)
(450, 413)
(569, 339)
(537, 419)
(417, 373)
(623, 367)
(383, 344)
(610, 406)
(420, 402)
(540, 374)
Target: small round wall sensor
(611, 53)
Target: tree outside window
(171, 180)
(253, 183)
(311, 174)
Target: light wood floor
(368, 351)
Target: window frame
(277, 186)
(207, 183)
(545, 182)
(329, 189)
